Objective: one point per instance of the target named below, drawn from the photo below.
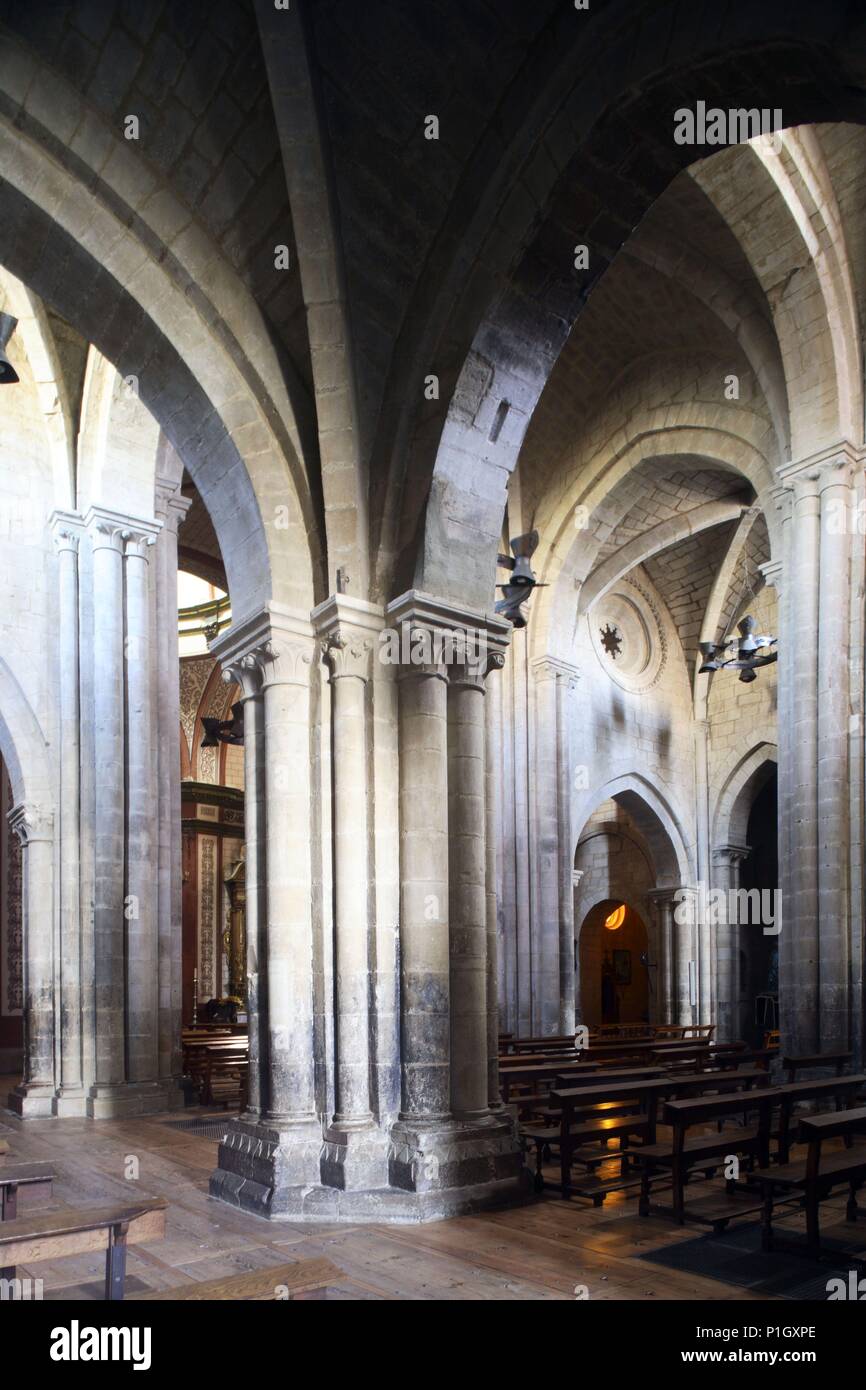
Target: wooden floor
(538, 1251)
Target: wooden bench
(36, 1178)
(816, 1175)
(683, 1155)
(254, 1286)
(838, 1088)
(79, 1232)
(837, 1060)
(582, 1124)
(556, 1042)
(579, 1126)
(548, 1111)
(538, 1073)
(224, 1080)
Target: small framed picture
(622, 967)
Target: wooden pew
(837, 1060)
(816, 1175)
(541, 1044)
(28, 1240)
(224, 1079)
(534, 1073)
(36, 1178)
(838, 1088)
(680, 1155)
(579, 1125)
(253, 1286)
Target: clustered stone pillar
(35, 830)
(446, 1136)
(269, 1158)
(71, 1095)
(294, 1152)
(135, 869)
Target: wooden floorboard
(540, 1251)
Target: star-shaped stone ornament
(611, 640)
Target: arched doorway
(614, 976)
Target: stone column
(142, 993)
(471, 1153)
(705, 957)
(492, 807)
(833, 704)
(467, 905)
(424, 946)
(290, 1093)
(247, 674)
(106, 532)
(354, 1156)
(579, 1020)
(685, 914)
(666, 965)
(71, 1099)
(802, 924)
(35, 829)
(566, 683)
(727, 861)
(171, 508)
(544, 852)
(270, 1164)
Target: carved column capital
(31, 822)
(731, 854)
(110, 530)
(136, 542)
(348, 653)
(170, 504)
(66, 529)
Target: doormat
(735, 1257)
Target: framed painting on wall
(622, 967)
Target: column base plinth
(354, 1157)
(437, 1157)
(263, 1164)
(31, 1100)
(119, 1099)
(70, 1102)
(415, 1172)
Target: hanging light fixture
(8, 374)
(747, 653)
